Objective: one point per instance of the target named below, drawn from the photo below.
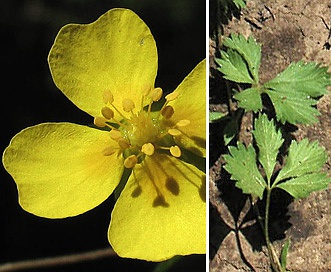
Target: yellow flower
(108, 68)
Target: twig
(57, 261)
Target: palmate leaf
(300, 175)
(241, 164)
(268, 140)
(294, 91)
(241, 61)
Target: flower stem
(274, 260)
(58, 261)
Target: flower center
(142, 129)
(143, 132)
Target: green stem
(274, 260)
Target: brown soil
(288, 31)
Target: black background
(29, 97)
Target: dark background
(29, 97)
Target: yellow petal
(62, 169)
(191, 105)
(161, 212)
(115, 54)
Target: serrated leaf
(249, 50)
(303, 158)
(249, 99)
(241, 164)
(302, 186)
(234, 67)
(293, 92)
(268, 140)
(293, 107)
(308, 78)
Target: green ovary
(142, 129)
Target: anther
(148, 149)
(175, 151)
(123, 143)
(108, 151)
(172, 96)
(156, 94)
(115, 134)
(167, 112)
(100, 121)
(183, 123)
(107, 113)
(130, 161)
(146, 90)
(128, 105)
(174, 132)
(107, 97)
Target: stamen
(175, 151)
(115, 134)
(148, 149)
(174, 132)
(118, 112)
(156, 94)
(108, 151)
(172, 96)
(107, 97)
(107, 113)
(146, 90)
(100, 121)
(128, 105)
(123, 143)
(183, 123)
(167, 112)
(130, 161)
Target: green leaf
(283, 255)
(302, 174)
(293, 107)
(268, 140)
(215, 116)
(241, 164)
(303, 158)
(308, 78)
(239, 3)
(249, 50)
(234, 67)
(294, 91)
(302, 186)
(249, 99)
(231, 130)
